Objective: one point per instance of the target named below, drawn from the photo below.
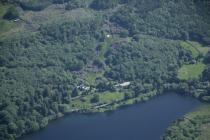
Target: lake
(143, 121)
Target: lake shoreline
(106, 110)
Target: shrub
(73, 4)
(207, 58)
(12, 13)
(103, 4)
(95, 99)
(35, 5)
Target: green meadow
(191, 71)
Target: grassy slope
(91, 77)
(191, 71)
(3, 9)
(203, 50)
(32, 20)
(190, 48)
(195, 48)
(5, 25)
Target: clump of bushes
(95, 99)
(73, 4)
(35, 5)
(12, 13)
(207, 58)
(60, 1)
(103, 4)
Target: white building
(108, 36)
(125, 84)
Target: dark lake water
(143, 121)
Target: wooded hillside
(61, 56)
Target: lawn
(9, 28)
(79, 104)
(105, 97)
(191, 71)
(5, 25)
(3, 9)
(108, 97)
(53, 14)
(91, 77)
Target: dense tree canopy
(104, 4)
(207, 58)
(168, 19)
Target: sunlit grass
(203, 50)
(195, 48)
(91, 77)
(111, 96)
(191, 71)
(3, 9)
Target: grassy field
(8, 28)
(193, 126)
(4, 24)
(32, 20)
(108, 100)
(3, 9)
(105, 98)
(195, 48)
(79, 104)
(91, 77)
(108, 97)
(192, 71)
(203, 50)
(55, 14)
